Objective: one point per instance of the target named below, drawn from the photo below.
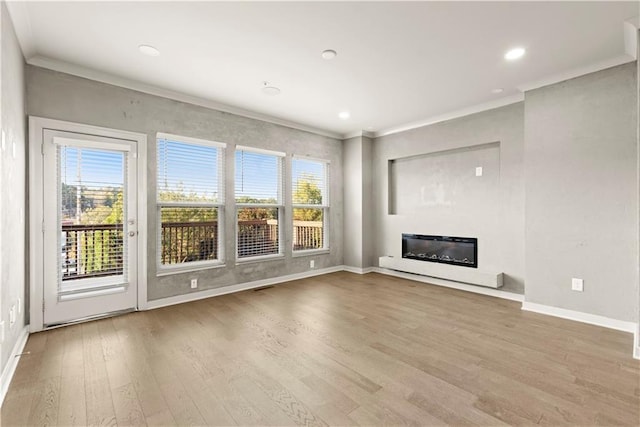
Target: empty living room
(329, 213)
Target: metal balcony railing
(97, 250)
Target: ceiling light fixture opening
(344, 115)
(497, 90)
(515, 53)
(329, 54)
(148, 50)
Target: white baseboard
(358, 270)
(579, 316)
(194, 296)
(451, 284)
(592, 319)
(12, 363)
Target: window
(310, 184)
(258, 192)
(190, 201)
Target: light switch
(479, 171)
(4, 141)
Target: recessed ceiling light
(514, 54)
(148, 50)
(329, 54)
(497, 90)
(344, 115)
(269, 89)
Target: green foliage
(307, 192)
(69, 197)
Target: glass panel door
(90, 226)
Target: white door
(90, 226)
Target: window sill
(260, 258)
(168, 271)
(310, 252)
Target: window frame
(325, 207)
(281, 156)
(220, 261)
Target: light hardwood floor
(338, 349)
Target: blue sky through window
(188, 168)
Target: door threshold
(49, 326)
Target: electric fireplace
(462, 251)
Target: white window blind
(258, 194)
(190, 200)
(310, 197)
(91, 191)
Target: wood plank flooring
(337, 349)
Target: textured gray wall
(65, 97)
(352, 188)
(501, 235)
(12, 184)
(368, 214)
(582, 193)
(358, 202)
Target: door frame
(37, 126)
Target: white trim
(451, 284)
(189, 140)
(579, 316)
(189, 267)
(365, 133)
(99, 76)
(576, 72)
(36, 215)
(631, 38)
(248, 149)
(358, 270)
(478, 108)
(194, 296)
(310, 252)
(260, 258)
(10, 368)
(37, 125)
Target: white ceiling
(397, 63)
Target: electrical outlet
(577, 284)
(312, 264)
(194, 283)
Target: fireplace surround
(462, 251)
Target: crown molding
(577, 72)
(496, 103)
(91, 74)
(358, 133)
(631, 37)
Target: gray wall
(357, 188)
(582, 193)
(352, 188)
(449, 152)
(65, 97)
(12, 185)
